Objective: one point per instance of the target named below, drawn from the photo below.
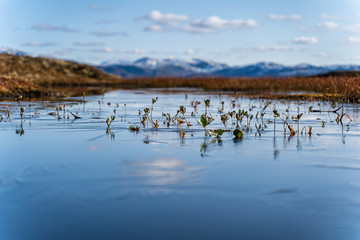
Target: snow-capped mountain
(6, 50)
(150, 67)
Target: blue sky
(231, 31)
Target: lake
(67, 178)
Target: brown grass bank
(343, 87)
(39, 77)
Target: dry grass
(36, 76)
(344, 87)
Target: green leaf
(203, 121)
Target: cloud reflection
(164, 171)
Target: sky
(235, 32)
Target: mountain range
(150, 67)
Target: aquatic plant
(108, 123)
(182, 110)
(276, 114)
(297, 119)
(134, 128)
(149, 118)
(182, 134)
(238, 134)
(22, 110)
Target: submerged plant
(238, 134)
(148, 117)
(217, 133)
(22, 110)
(108, 122)
(182, 134)
(134, 128)
(205, 121)
(276, 114)
(182, 110)
(297, 119)
(207, 104)
(258, 129)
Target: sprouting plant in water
(207, 105)
(309, 132)
(262, 119)
(182, 110)
(148, 117)
(99, 102)
(276, 114)
(238, 134)
(232, 114)
(205, 121)
(217, 133)
(8, 111)
(195, 104)
(224, 118)
(154, 100)
(22, 110)
(58, 109)
(340, 117)
(182, 134)
(297, 119)
(108, 122)
(134, 128)
(258, 129)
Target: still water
(69, 179)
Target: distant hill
(149, 67)
(24, 74)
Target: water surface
(69, 179)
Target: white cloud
(112, 50)
(167, 19)
(214, 23)
(87, 44)
(65, 51)
(353, 28)
(45, 27)
(305, 40)
(353, 39)
(285, 17)
(38, 44)
(105, 33)
(190, 51)
(321, 54)
(154, 28)
(330, 25)
(275, 49)
(325, 16)
(269, 49)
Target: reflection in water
(163, 171)
(21, 130)
(204, 146)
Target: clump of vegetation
(134, 128)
